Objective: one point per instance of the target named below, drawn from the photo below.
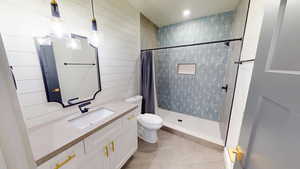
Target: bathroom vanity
(105, 144)
(103, 137)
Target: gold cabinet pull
(106, 153)
(131, 117)
(59, 165)
(112, 146)
(236, 154)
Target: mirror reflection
(70, 69)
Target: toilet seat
(150, 121)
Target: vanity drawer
(93, 142)
(69, 159)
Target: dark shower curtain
(147, 82)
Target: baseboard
(193, 138)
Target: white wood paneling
(21, 58)
(119, 49)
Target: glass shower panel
(198, 94)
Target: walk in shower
(194, 81)
(195, 69)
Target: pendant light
(94, 38)
(56, 22)
(94, 21)
(54, 9)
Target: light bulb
(57, 27)
(186, 13)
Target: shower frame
(226, 42)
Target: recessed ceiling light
(186, 13)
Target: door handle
(236, 154)
(112, 144)
(106, 153)
(225, 88)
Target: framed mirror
(70, 68)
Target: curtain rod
(195, 44)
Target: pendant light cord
(93, 9)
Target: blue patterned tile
(198, 95)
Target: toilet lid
(150, 119)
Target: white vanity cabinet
(112, 146)
(108, 148)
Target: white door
(2, 162)
(14, 140)
(270, 131)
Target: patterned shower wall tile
(209, 28)
(198, 95)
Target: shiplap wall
(119, 48)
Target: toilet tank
(136, 100)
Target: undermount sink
(91, 118)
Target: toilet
(148, 124)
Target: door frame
(237, 73)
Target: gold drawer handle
(131, 117)
(112, 144)
(59, 165)
(106, 153)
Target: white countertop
(52, 137)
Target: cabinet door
(130, 133)
(126, 142)
(115, 147)
(98, 159)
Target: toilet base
(147, 135)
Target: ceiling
(165, 12)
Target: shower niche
(186, 68)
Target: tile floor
(175, 152)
